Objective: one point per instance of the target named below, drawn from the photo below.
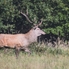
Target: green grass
(44, 58)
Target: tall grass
(42, 57)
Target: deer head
(35, 29)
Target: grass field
(52, 58)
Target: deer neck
(31, 36)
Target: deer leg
(17, 52)
(27, 50)
(5, 50)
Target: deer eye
(38, 29)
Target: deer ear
(34, 28)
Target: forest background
(54, 14)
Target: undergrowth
(42, 57)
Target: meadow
(42, 57)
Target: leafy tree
(53, 12)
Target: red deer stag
(21, 41)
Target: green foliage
(35, 61)
(42, 49)
(53, 12)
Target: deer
(21, 41)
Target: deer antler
(26, 17)
(35, 25)
(39, 23)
